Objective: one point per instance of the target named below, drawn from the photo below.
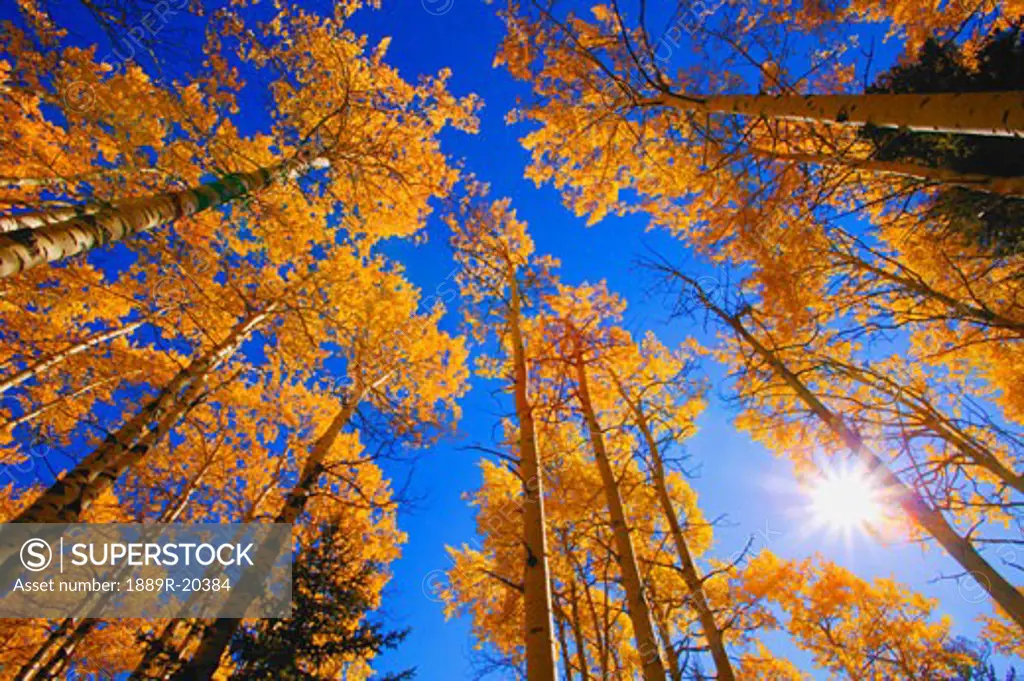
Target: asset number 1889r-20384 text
(182, 585)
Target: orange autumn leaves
(870, 628)
(906, 331)
(618, 572)
(98, 342)
(852, 628)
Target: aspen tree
(911, 408)
(163, 652)
(647, 641)
(971, 294)
(621, 121)
(1006, 186)
(75, 491)
(54, 655)
(496, 256)
(966, 113)
(583, 338)
(646, 392)
(72, 344)
(364, 140)
(640, 375)
(216, 637)
(188, 481)
(855, 628)
(588, 576)
(29, 247)
(916, 508)
(285, 495)
(341, 119)
(397, 360)
(37, 368)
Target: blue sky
(737, 479)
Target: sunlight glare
(845, 499)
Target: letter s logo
(36, 555)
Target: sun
(844, 499)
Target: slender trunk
(691, 576)
(48, 242)
(540, 644)
(563, 644)
(157, 652)
(217, 636)
(580, 575)
(43, 408)
(675, 673)
(169, 656)
(917, 509)
(577, 633)
(966, 113)
(47, 216)
(69, 496)
(671, 656)
(31, 669)
(992, 184)
(602, 627)
(639, 611)
(37, 368)
(13, 222)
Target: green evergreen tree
(330, 607)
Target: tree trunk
(69, 496)
(165, 657)
(157, 652)
(37, 368)
(217, 636)
(675, 672)
(48, 242)
(1006, 186)
(563, 644)
(639, 611)
(691, 577)
(577, 633)
(48, 216)
(602, 624)
(43, 408)
(42, 656)
(12, 222)
(55, 653)
(967, 113)
(162, 657)
(930, 519)
(540, 643)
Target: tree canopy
(218, 305)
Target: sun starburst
(847, 500)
